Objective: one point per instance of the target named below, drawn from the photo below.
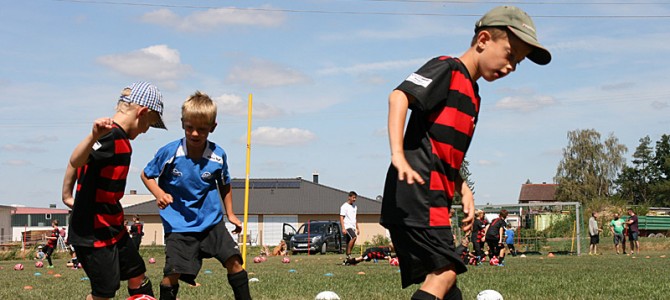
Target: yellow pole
(246, 188)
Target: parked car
(314, 236)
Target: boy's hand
(235, 221)
(101, 127)
(405, 171)
(468, 202)
(164, 200)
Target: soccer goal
(540, 228)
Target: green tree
(589, 167)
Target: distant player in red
(374, 253)
(52, 239)
(137, 231)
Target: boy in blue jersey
(509, 239)
(427, 154)
(189, 178)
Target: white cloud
(41, 139)
(261, 73)
(158, 62)
(234, 105)
(21, 148)
(18, 162)
(658, 105)
(374, 67)
(215, 18)
(525, 103)
(272, 136)
(484, 162)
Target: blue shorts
(633, 235)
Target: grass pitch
(607, 276)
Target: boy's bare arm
(163, 199)
(398, 105)
(468, 202)
(80, 154)
(68, 186)
(227, 196)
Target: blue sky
(320, 73)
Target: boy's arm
(227, 195)
(163, 199)
(68, 186)
(80, 154)
(468, 202)
(398, 105)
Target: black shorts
(107, 266)
(48, 250)
(351, 234)
(595, 239)
(422, 251)
(184, 251)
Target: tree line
(594, 171)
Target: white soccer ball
(489, 295)
(327, 295)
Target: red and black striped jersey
(444, 113)
(97, 216)
(54, 233)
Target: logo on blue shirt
(206, 176)
(176, 172)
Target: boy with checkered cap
(99, 165)
(425, 166)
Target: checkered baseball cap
(147, 95)
(520, 23)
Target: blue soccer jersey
(192, 184)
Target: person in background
(594, 233)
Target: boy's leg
(132, 268)
(49, 250)
(169, 287)
(438, 283)
(102, 268)
(351, 240)
(218, 243)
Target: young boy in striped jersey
(425, 166)
(100, 165)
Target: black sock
(145, 288)
(240, 284)
(169, 292)
(454, 293)
(49, 260)
(423, 295)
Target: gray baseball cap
(147, 95)
(521, 25)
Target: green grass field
(606, 276)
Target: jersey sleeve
(103, 148)
(155, 165)
(225, 173)
(430, 84)
(342, 211)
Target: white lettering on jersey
(419, 80)
(96, 146)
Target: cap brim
(159, 124)
(539, 54)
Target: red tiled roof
(38, 210)
(538, 192)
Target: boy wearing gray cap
(99, 165)
(424, 174)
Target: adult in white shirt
(348, 212)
